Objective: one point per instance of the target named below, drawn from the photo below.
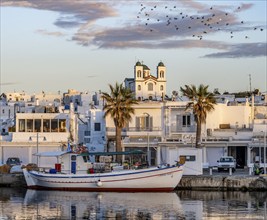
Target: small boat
(75, 173)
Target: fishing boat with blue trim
(75, 172)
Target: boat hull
(145, 180)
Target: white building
(35, 132)
(149, 131)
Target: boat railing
(97, 167)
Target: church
(146, 86)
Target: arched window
(161, 74)
(139, 73)
(161, 88)
(139, 87)
(150, 87)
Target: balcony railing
(181, 129)
(142, 139)
(134, 129)
(232, 129)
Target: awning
(51, 154)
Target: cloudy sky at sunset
(85, 45)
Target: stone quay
(223, 183)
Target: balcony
(181, 129)
(136, 131)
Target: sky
(85, 45)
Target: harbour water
(19, 203)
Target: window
(144, 123)
(186, 121)
(37, 125)
(139, 87)
(97, 127)
(46, 125)
(140, 123)
(62, 125)
(161, 88)
(139, 73)
(87, 133)
(22, 125)
(144, 74)
(189, 157)
(161, 74)
(150, 86)
(86, 140)
(29, 125)
(54, 125)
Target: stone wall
(14, 180)
(223, 183)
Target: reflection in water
(90, 205)
(228, 204)
(31, 204)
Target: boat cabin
(74, 163)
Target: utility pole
(148, 147)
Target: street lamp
(37, 144)
(148, 148)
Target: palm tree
(202, 103)
(119, 105)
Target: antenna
(250, 83)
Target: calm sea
(31, 204)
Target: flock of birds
(196, 25)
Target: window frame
(186, 120)
(96, 128)
(150, 86)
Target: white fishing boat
(75, 173)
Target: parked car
(11, 161)
(226, 162)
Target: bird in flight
(194, 23)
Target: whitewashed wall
(234, 115)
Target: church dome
(161, 64)
(138, 64)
